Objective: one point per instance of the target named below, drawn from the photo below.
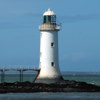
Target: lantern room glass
(49, 19)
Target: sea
(90, 77)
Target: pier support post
(21, 75)
(2, 76)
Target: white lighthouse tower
(49, 59)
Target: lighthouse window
(52, 44)
(44, 21)
(53, 19)
(52, 63)
(49, 19)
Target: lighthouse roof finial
(49, 12)
(49, 9)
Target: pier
(18, 68)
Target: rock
(63, 86)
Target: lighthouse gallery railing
(49, 27)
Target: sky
(79, 37)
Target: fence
(20, 69)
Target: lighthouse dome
(49, 12)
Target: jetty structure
(49, 58)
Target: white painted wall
(49, 54)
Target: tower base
(49, 80)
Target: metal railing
(18, 68)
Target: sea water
(93, 79)
(51, 96)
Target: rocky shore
(64, 86)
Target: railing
(49, 27)
(20, 69)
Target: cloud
(77, 18)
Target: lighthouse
(49, 58)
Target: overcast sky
(79, 38)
